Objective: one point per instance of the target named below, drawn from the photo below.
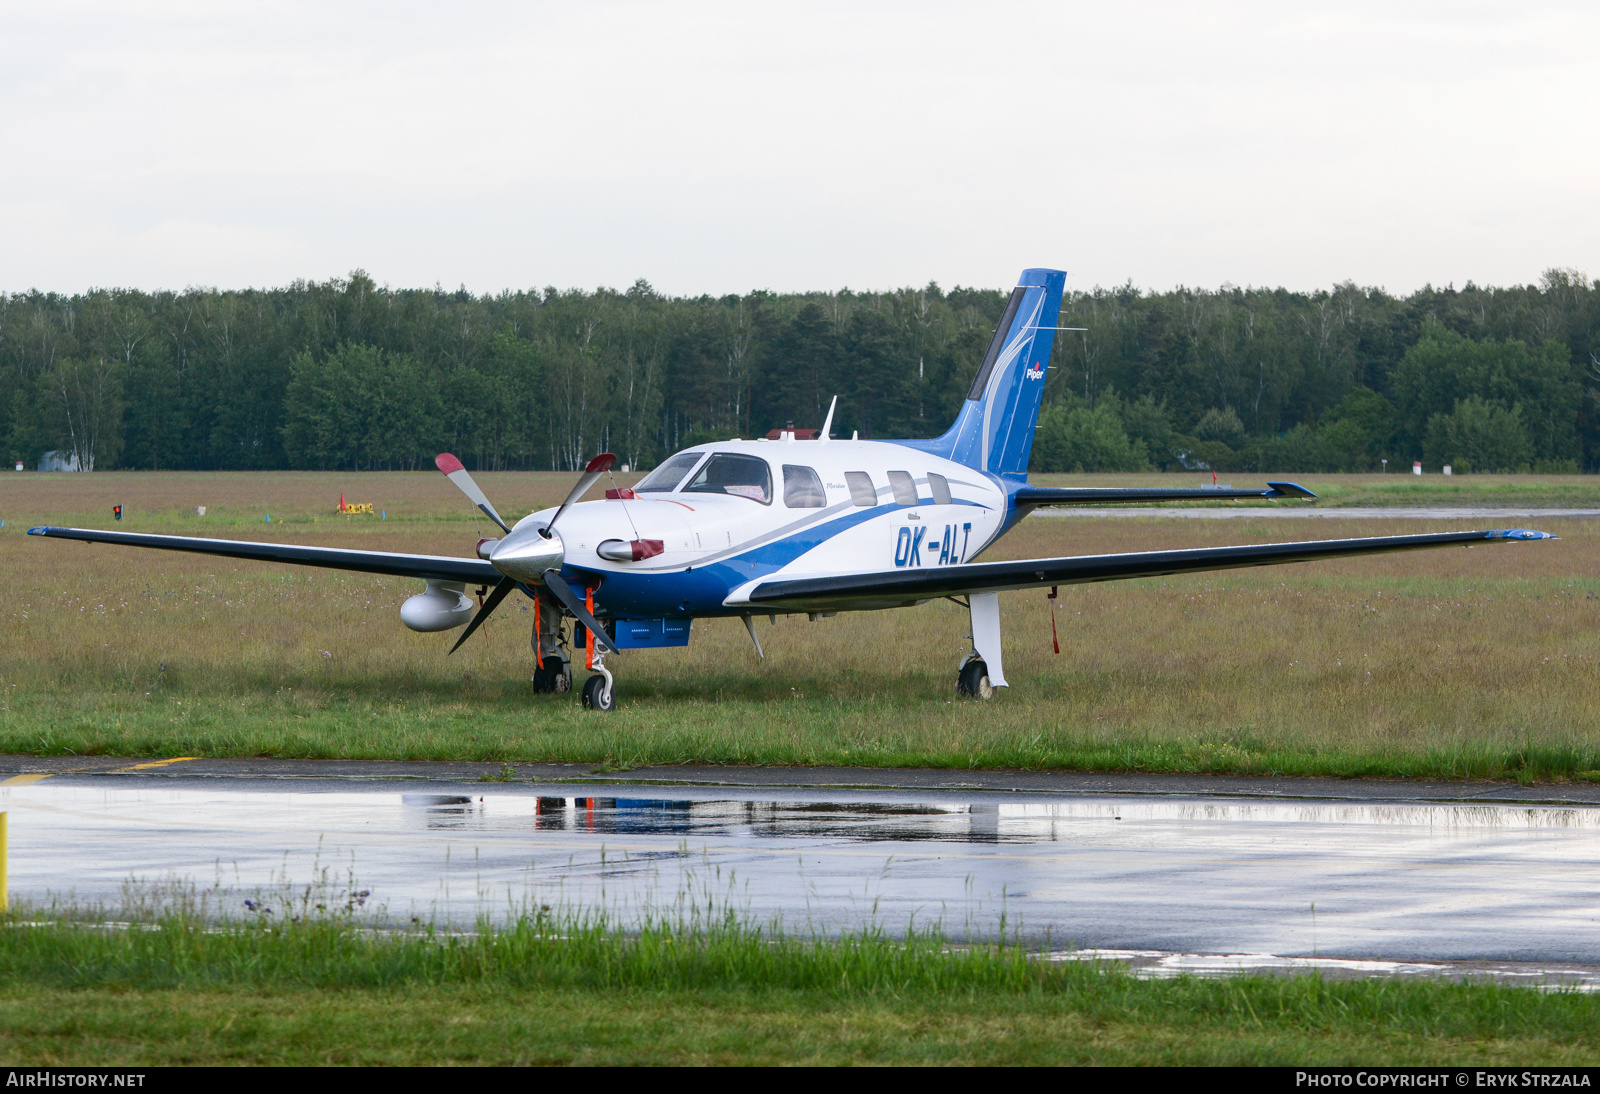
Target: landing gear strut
(598, 694)
(974, 678)
(555, 674)
(549, 646)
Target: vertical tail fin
(994, 430)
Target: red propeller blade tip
(447, 463)
(601, 462)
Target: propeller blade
(504, 586)
(452, 470)
(574, 604)
(591, 475)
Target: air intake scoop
(616, 550)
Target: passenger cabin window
(939, 487)
(665, 479)
(801, 488)
(862, 492)
(741, 476)
(903, 487)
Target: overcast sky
(724, 147)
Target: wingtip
(1290, 490)
(447, 464)
(42, 530)
(1520, 533)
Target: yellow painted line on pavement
(24, 780)
(154, 763)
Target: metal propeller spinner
(529, 555)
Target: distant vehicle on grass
(790, 525)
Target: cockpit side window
(939, 487)
(903, 488)
(801, 488)
(729, 473)
(665, 479)
(862, 492)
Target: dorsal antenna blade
(827, 423)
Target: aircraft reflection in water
(911, 822)
(751, 528)
(868, 821)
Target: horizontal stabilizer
(1134, 495)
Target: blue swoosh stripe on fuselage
(701, 588)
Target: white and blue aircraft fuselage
(761, 527)
(797, 509)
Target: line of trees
(345, 374)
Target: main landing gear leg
(549, 646)
(974, 677)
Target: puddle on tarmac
(1156, 965)
(1174, 877)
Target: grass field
(1449, 664)
(182, 990)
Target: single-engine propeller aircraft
(764, 527)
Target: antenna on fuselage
(827, 423)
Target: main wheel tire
(596, 696)
(973, 680)
(544, 680)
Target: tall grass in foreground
(324, 935)
(715, 953)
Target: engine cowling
(442, 606)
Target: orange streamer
(538, 636)
(588, 635)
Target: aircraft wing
(890, 588)
(473, 571)
(1104, 495)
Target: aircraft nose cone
(526, 554)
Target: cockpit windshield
(665, 479)
(741, 476)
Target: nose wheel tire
(598, 696)
(973, 680)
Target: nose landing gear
(598, 694)
(598, 691)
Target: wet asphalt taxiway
(1172, 874)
